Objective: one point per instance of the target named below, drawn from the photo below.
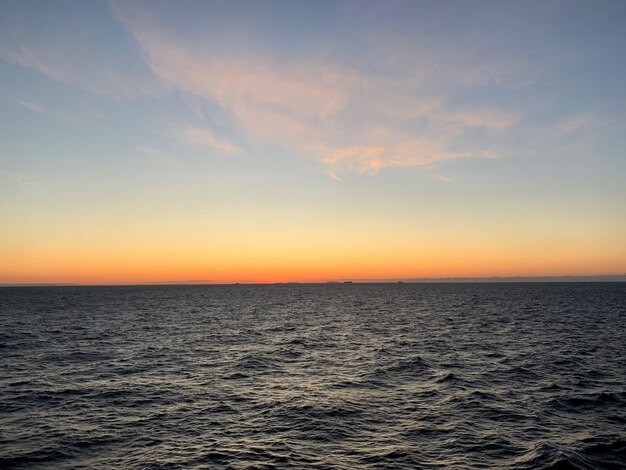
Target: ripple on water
(314, 376)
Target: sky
(270, 141)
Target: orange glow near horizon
(267, 260)
(301, 246)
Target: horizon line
(417, 280)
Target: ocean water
(337, 376)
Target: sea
(324, 376)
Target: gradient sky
(303, 141)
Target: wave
(593, 453)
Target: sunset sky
(309, 141)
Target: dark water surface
(314, 376)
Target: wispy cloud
(202, 138)
(155, 154)
(486, 118)
(37, 107)
(369, 159)
(77, 53)
(77, 69)
(442, 178)
(348, 120)
(582, 123)
(24, 178)
(97, 114)
(41, 108)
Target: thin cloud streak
(37, 107)
(363, 159)
(203, 138)
(155, 154)
(77, 70)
